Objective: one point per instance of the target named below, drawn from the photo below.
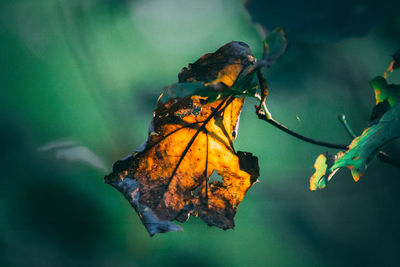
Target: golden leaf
(168, 178)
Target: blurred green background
(79, 82)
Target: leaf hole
(215, 177)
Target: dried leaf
(189, 138)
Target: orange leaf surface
(167, 179)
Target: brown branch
(261, 115)
(263, 88)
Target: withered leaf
(189, 138)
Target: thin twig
(263, 88)
(261, 115)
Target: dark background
(79, 82)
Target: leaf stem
(342, 119)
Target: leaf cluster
(384, 126)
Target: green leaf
(387, 95)
(317, 180)
(384, 91)
(274, 46)
(361, 150)
(322, 174)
